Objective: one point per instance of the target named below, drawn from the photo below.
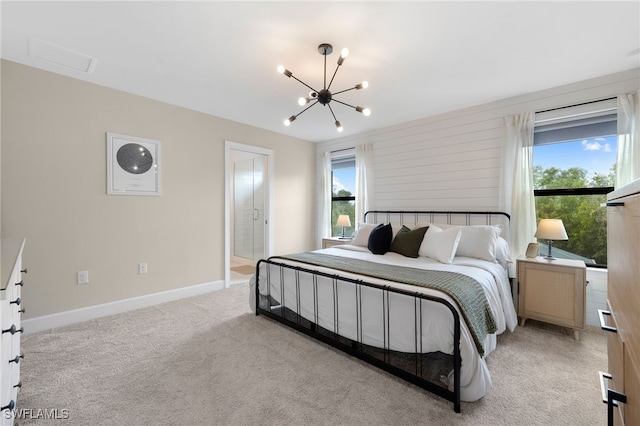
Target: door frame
(229, 147)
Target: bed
(427, 309)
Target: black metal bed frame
(408, 366)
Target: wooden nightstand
(552, 291)
(334, 241)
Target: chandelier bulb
(365, 111)
(283, 70)
(288, 121)
(303, 101)
(343, 55)
(339, 126)
(362, 85)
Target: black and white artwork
(133, 165)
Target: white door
(248, 204)
(249, 208)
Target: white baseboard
(61, 319)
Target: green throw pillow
(407, 242)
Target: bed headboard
(413, 218)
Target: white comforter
(437, 325)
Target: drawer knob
(16, 359)
(22, 311)
(24, 271)
(16, 302)
(19, 385)
(21, 283)
(13, 330)
(10, 406)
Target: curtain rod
(575, 105)
(344, 149)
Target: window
(343, 199)
(574, 157)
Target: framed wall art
(133, 165)
(532, 250)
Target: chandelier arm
(325, 71)
(300, 113)
(297, 79)
(343, 103)
(342, 91)
(331, 109)
(334, 76)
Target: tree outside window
(571, 180)
(343, 200)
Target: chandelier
(324, 96)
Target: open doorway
(248, 205)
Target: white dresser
(10, 312)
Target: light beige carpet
(207, 360)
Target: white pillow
(361, 237)
(447, 226)
(503, 254)
(440, 244)
(479, 241)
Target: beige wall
(54, 191)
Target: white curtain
(628, 161)
(364, 181)
(325, 187)
(517, 181)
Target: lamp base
(343, 236)
(548, 256)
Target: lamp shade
(343, 220)
(551, 229)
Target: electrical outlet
(142, 268)
(83, 277)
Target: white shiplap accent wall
(453, 160)
(435, 168)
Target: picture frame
(533, 249)
(133, 165)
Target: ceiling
(420, 58)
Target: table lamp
(344, 221)
(551, 229)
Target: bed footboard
(301, 308)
